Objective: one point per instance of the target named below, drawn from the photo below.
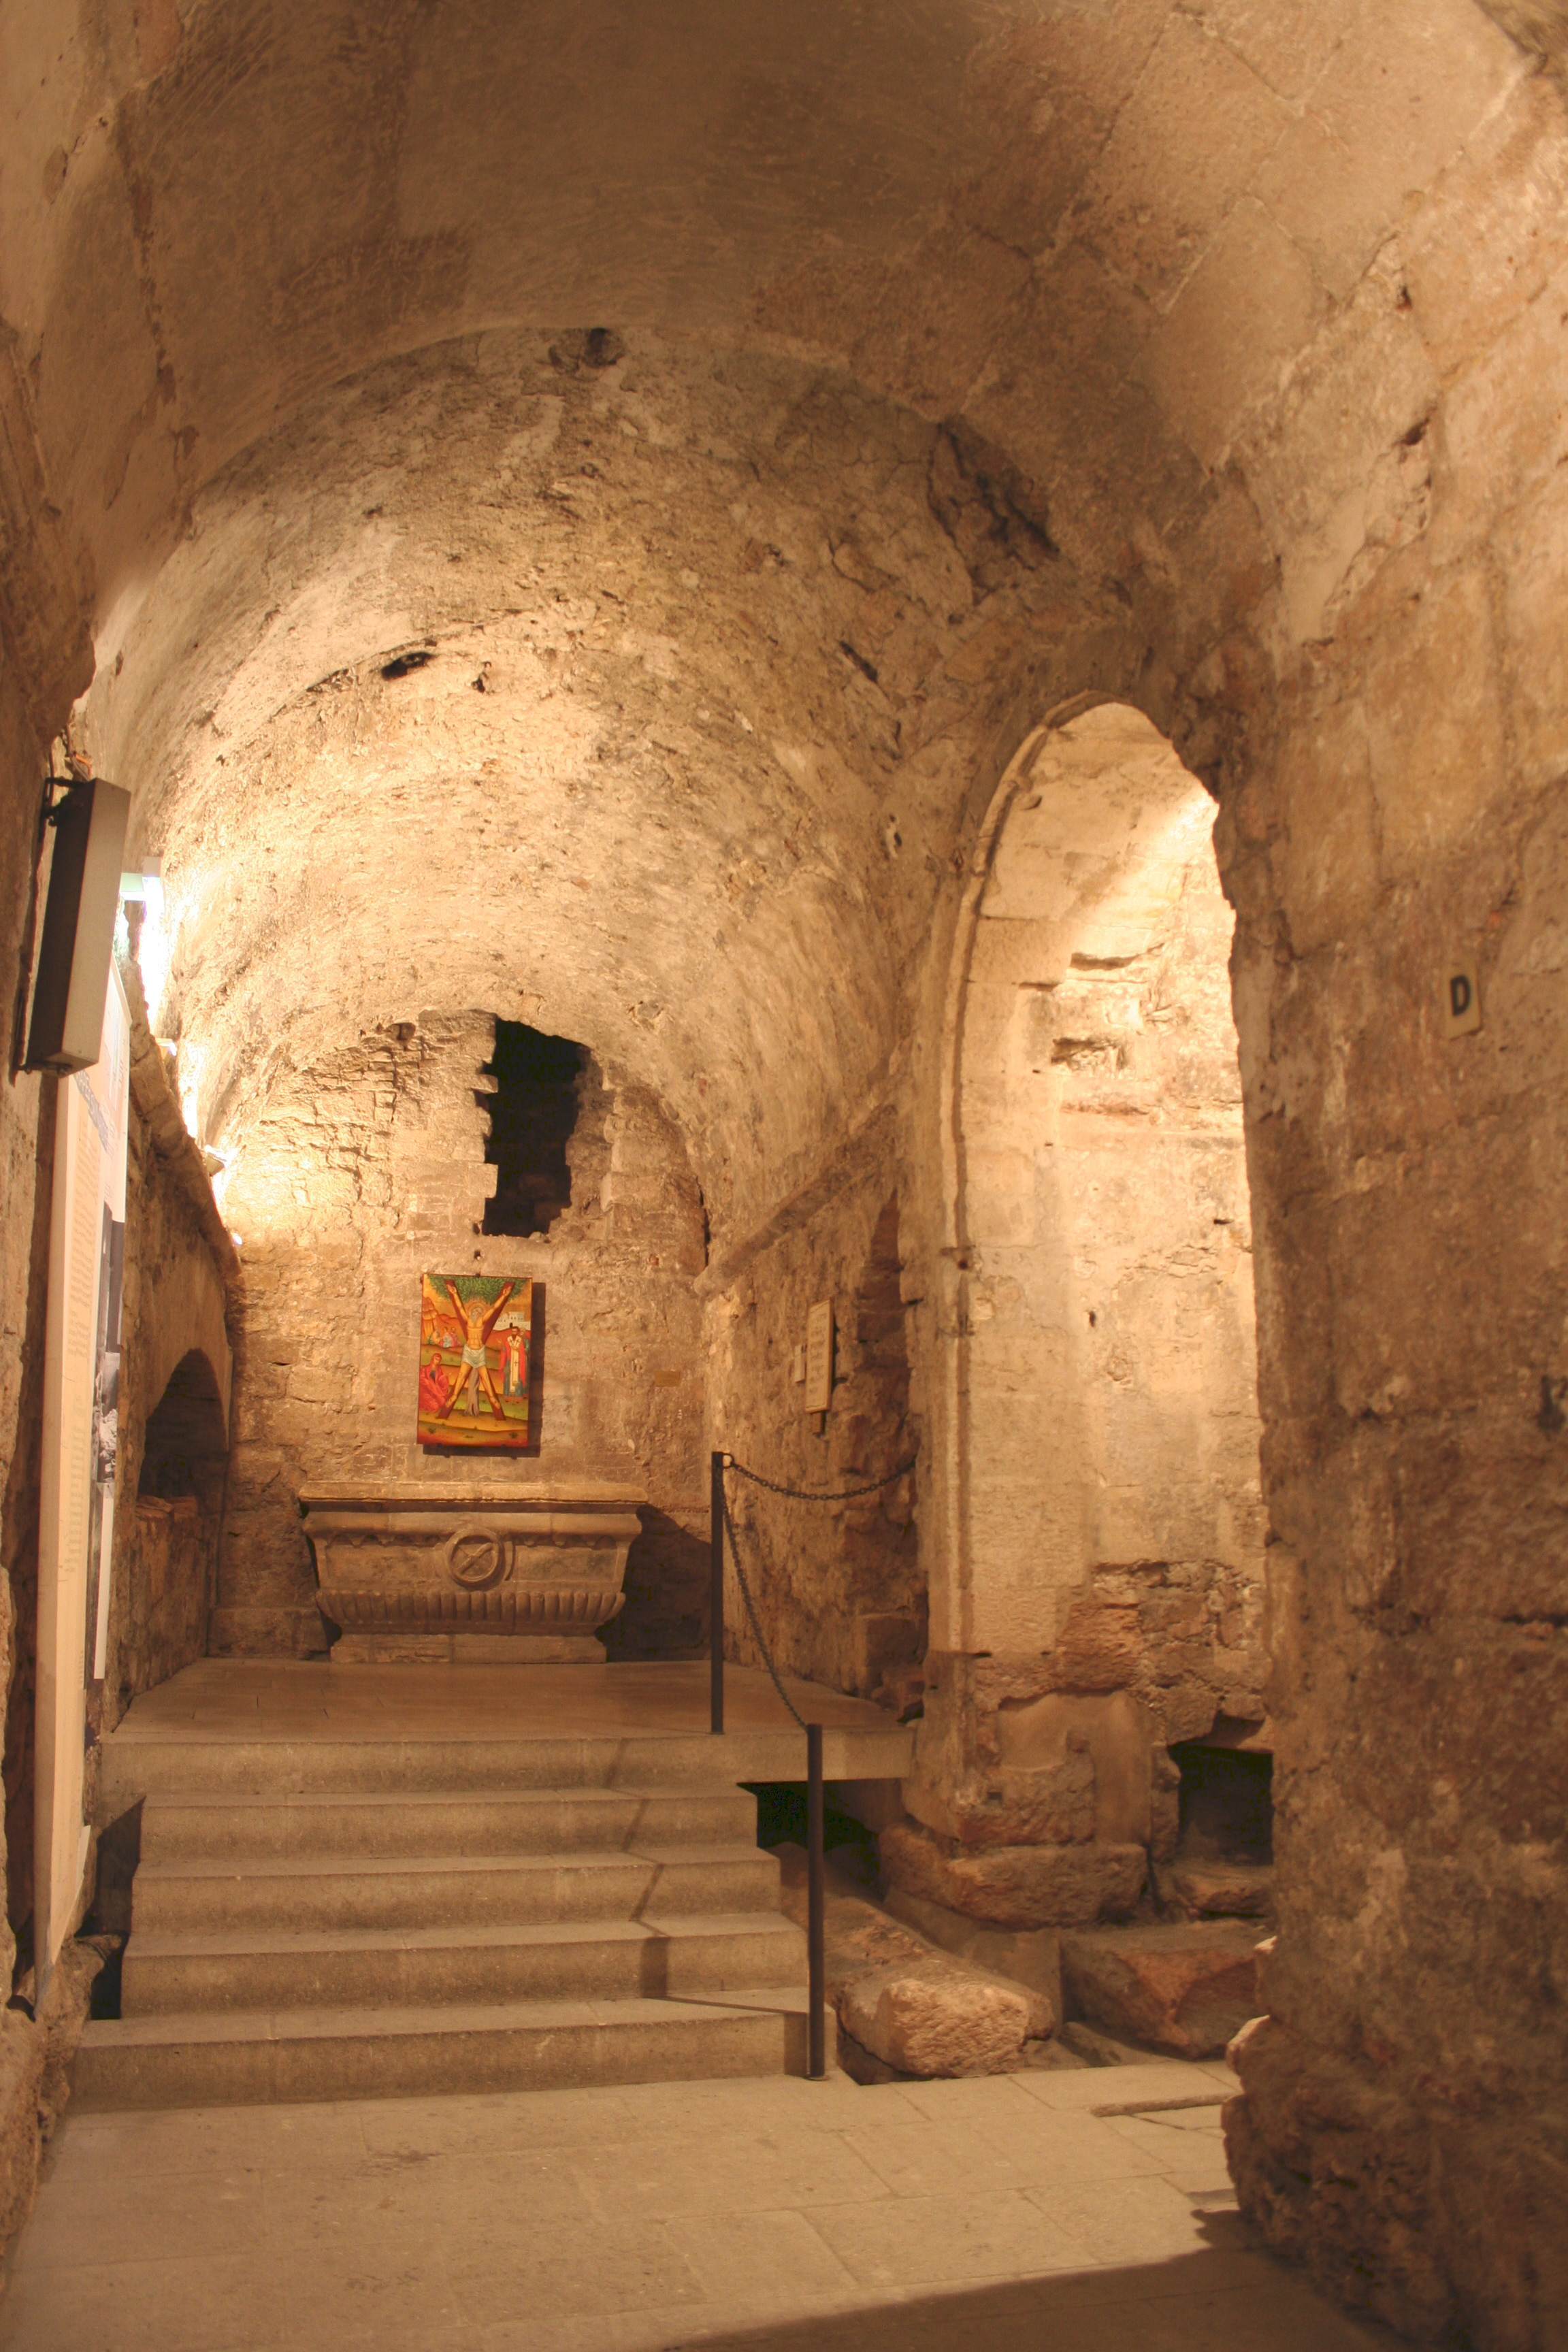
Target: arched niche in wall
(164, 1590)
(1104, 1506)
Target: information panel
(81, 1420)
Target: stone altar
(470, 1573)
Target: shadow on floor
(1195, 2303)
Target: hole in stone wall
(417, 657)
(185, 1435)
(158, 1618)
(1227, 1809)
(533, 1112)
(847, 1843)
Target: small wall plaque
(1461, 1002)
(819, 1357)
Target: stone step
(137, 1764)
(616, 1959)
(251, 2057)
(305, 1891)
(192, 1827)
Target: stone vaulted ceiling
(610, 696)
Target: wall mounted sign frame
(75, 1502)
(819, 1336)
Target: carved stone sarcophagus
(424, 1572)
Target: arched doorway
(1102, 1510)
(164, 1600)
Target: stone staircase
(349, 1918)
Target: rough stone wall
(1404, 2126)
(368, 1171)
(838, 1586)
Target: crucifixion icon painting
(475, 1331)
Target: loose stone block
(1028, 1956)
(929, 2019)
(1221, 1890)
(1183, 1989)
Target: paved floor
(1081, 2211)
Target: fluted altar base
(468, 1649)
(427, 1575)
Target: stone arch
(186, 1348)
(1097, 1469)
(166, 1564)
(186, 1430)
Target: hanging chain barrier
(756, 1628)
(813, 1495)
(720, 1524)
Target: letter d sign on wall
(1461, 1001)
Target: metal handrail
(815, 1866)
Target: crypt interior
(911, 657)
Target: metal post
(716, 1592)
(816, 1906)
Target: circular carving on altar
(475, 1559)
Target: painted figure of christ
(477, 1322)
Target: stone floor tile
(744, 2103)
(203, 2139)
(761, 2260)
(976, 2319)
(377, 2300)
(1103, 2311)
(191, 2305)
(505, 2119)
(1079, 2089)
(634, 2266)
(1142, 2219)
(1187, 2151)
(982, 2320)
(518, 2196)
(918, 2158)
(726, 2175)
(1043, 2146)
(618, 2331)
(112, 2220)
(907, 2241)
(984, 2099)
(778, 2217)
(651, 2330)
(1201, 2121)
(717, 2320)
